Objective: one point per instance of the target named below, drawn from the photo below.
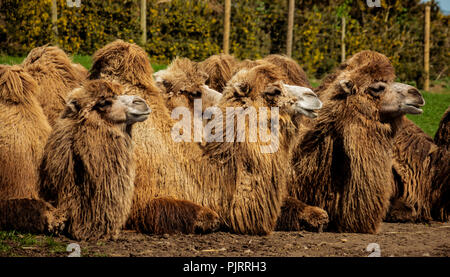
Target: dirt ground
(395, 240)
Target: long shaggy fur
(87, 170)
(421, 171)
(296, 75)
(56, 76)
(343, 164)
(246, 64)
(181, 83)
(232, 182)
(442, 136)
(220, 69)
(23, 132)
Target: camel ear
(159, 80)
(347, 86)
(242, 89)
(72, 107)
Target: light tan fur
(23, 133)
(88, 168)
(220, 69)
(56, 76)
(344, 163)
(233, 182)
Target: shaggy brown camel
(88, 171)
(56, 76)
(234, 184)
(421, 170)
(344, 163)
(23, 132)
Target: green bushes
(193, 29)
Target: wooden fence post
(427, 49)
(343, 40)
(226, 27)
(143, 22)
(55, 21)
(290, 29)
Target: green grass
(85, 61)
(54, 246)
(11, 242)
(10, 60)
(21, 239)
(435, 106)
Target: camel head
(399, 99)
(264, 86)
(101, 102)
(307, 101)
(183, 82)
(367, 81)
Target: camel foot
(296, 215)
(207, 221)
(166, 215)
(399, 211)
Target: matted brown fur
(233, 182)
(421, 171)
(182, 83)
(442, 136)
(56, 76)
(87, 170)
(23, 133)
(220, 69)
(344, 163)
(296, 75)
(246, 64)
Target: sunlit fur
(88, 170)
(232, 182)
(295, 74)
(219, 69)
(23, 133)
(344, 163)
(181, 83)
(55, 75)
(422, 176)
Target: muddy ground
(396, 240)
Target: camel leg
(30, 215)
(296, 215)
(399, 211)
(168, 215)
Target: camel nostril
(137, 101)
(416, 92)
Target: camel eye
(104, 103)
(196, 94)
(377, 89)
(273, 92)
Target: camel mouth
(309, 106)
(412, 108)
(309, 112)
(139, 116)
